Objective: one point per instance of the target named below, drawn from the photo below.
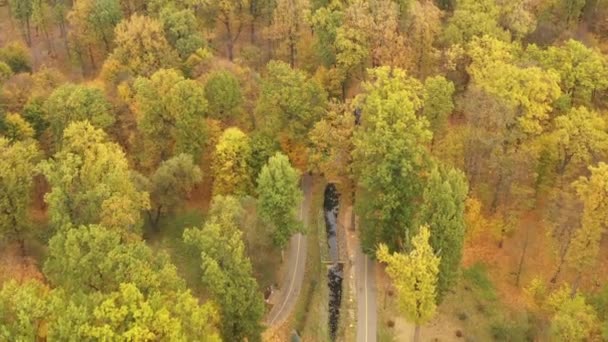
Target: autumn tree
(474, 18)
(442, 210)
(326, 21)
(585, 246)
(71, 102)
(170, 116)
(390, 156)
(232, 174)
(17, 169)
(93, 22)
(231, 16)
(572, 318)
(224, 95)
(141, 46)
(227, 271)
(290, 104)
(90, 182)
(16, 128)
(23, 310)
(109, 288)
(279, 197)
(16, 56)
(170, 184)
(286, 26)
(423, 32)
(22, 11)
(583, 71)
(414, 276)
(332, 142)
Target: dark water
(334, 274)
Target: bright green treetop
(23, 310)
(438, 102)
(474, 18)
(72, 102)
(279, 197)
(573, 319)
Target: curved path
(287, 296)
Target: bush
(17, 56)
(477, 277)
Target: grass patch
(311, 309)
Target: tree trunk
(522, 258)
(22, 247)
(417, 333)
(92, 58)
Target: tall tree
(443, 211)
(170, 116)
(227, 271)
(90, 182)
(423, 31)
(389, 156)
(279, 197)
(231, 171)
(22, 11)
(93, 21)
(414, 276)
(71, 102)
(286, 26)
(141, 46)
(170, 184)
(17, 168)
(585, 246)
(231, 15)
(438, 103)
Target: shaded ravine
(334, 273)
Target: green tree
(389, 156)
(93, 21)
(227, 271)
(438, 103)
(326, 22)
(71, 102)
(289, 101)
(17, 169)
(90, 182)
(231, 171)
(223, 93)
(583, 71)
(572, 318)
(170, 116)
(181, 30)
(171, 183)
(279, 197)
(23, 310)
(474, 18)
(414, 276)
(22, 11)
(141, 46)
(443, 210)
(16, 128)
(91, 259)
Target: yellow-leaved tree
(414, 276)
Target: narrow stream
(334, 274)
